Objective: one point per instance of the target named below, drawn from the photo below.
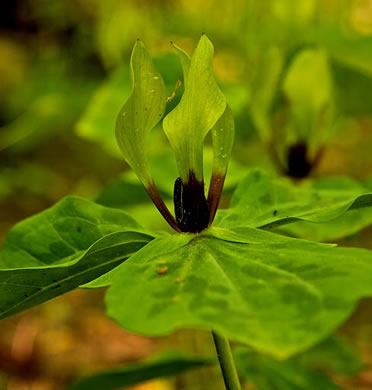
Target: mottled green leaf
(201, 105)
(138, 373)
(277, 294)
(142, 111)
(330, 208)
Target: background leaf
(330, 208)
(312, 369)
(138, 373)
(267, 374)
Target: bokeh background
(63, 78)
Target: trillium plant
(202, 109)
(229, 272)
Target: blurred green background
(293, 72)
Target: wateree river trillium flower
(202, 109)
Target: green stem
(230, 376)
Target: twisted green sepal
(142, 111)
(201, 105)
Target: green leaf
(61, 233)
(267, 374)
(201, 105)
(138, 373)
(57, 250)
(23, 288)
(330, 208)
(279, 295)
(142, 111)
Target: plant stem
(230, 376)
